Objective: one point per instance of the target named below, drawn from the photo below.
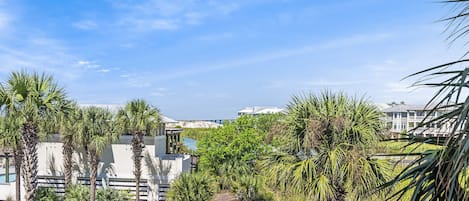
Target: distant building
(401, 117)
(257, 110)
(193, 124)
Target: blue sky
(198, 59)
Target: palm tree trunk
(30, 166)
(93, 162)
(68, 154)
(18, 156)
(137, 148)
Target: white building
(258, 110)
(402, 118)
(161, 164)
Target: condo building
(401, 118)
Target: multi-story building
(401, 118)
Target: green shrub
(77, 193)
(109, 194)
(194, 187)
(46, 194)
(249, 188)
(82, 193)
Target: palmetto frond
(329, 157)
(436, 175)
(138, 115)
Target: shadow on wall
(157, 168)
(106, 163)
(52, 168)
(105, 166)
(81, 164)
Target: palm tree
(68, 127)
(96, 131)
(326, 153)
(10, 138)
(138, 118)
(194, 187)
(443, 174)
(31, 98)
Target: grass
(400, 147)
(195, 133)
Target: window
(389, 125)
(403, 114)
(411, 124)
(173, 143)
(420, 113)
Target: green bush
(46, 194)
(249, 188)
(194, 187)
(109, 194)
(77, 193)
(82, 193)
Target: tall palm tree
(10, 138)
(443, 174)
(68, 127)
(138, 118)
(31, 98)
(95, 133)
(326, 153)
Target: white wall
(7, 190)
(116, 161)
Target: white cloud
(399, 87)
(330, 83)
(215, 37)
(159, 24)
(157, 94)
(193, 18)
(103, 70)
(273, 55)
(150, 24)
(136, 81)
(153, 15)
(160, 92)
(4, 20)
(40, 54)
(85, 25)
(87, 64)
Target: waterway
(190, 143)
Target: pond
(190, 143)
(12, 178)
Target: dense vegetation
(195, 133)
(82, 193)
(318, 150)
(195, 187)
